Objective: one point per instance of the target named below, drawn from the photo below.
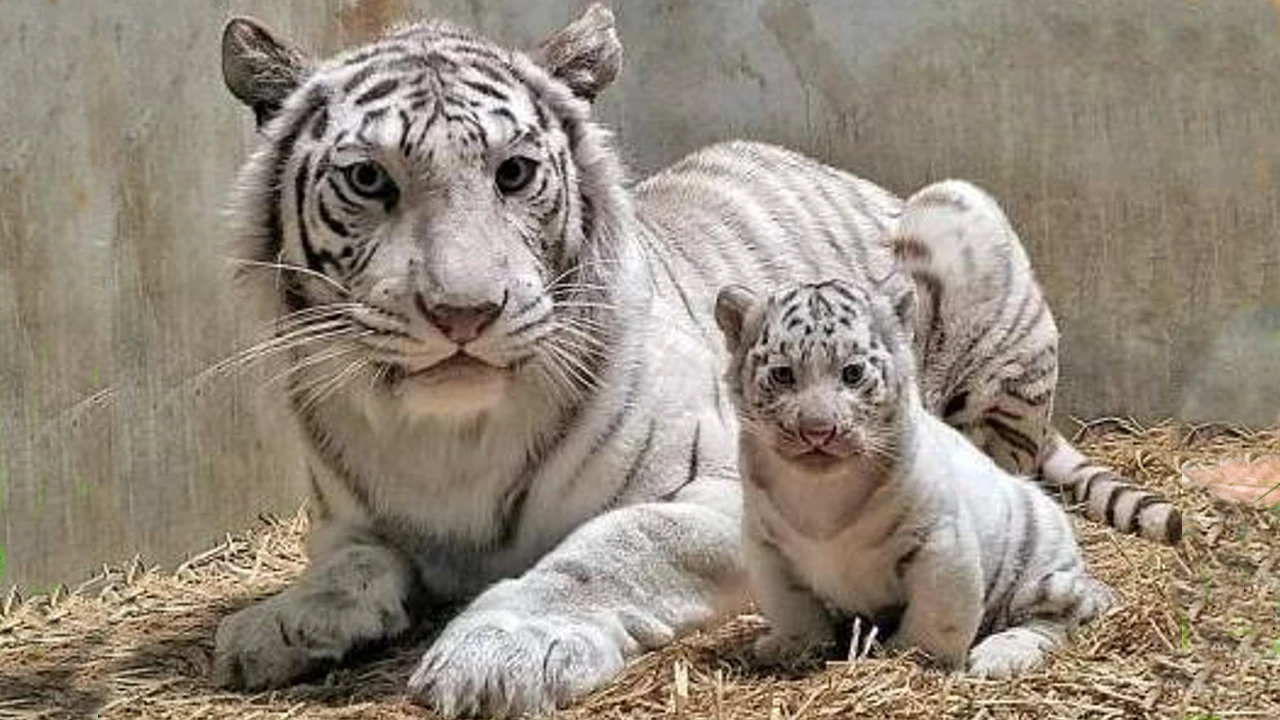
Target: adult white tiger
(503, 359)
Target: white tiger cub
(858, 500)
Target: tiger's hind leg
(1058, 603)
(988, 348)
(1013, 426)
(985, 337)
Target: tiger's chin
(452, 388)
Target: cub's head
(820, 373)
(432, 216)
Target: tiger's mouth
(818, 459)
(461, 385)
(460, 367)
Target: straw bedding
(1197, 633)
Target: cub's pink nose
(817, 431)
(462, 324)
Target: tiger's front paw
(505, 663)
(790, 652)
(298, 633)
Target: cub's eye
(851, 374)
(369, 179)
(515, 173)
(782, 375)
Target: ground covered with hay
(1196, 634)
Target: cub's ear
(734, 305)
(898, 291)
(260, 70)
(903, 297)
(904, 307)
(586, 54)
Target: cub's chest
(838, 535)
(845, 571)
(813, 505)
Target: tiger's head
(435, 219)
(820, 372)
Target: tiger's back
(753, 213)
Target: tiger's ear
(734, 305)
(260, 70)
(586, 54)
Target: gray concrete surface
(1134, 142)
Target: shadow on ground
(55, 682)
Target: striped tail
(1105, 496)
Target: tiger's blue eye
(852, 374)
(782, 375)
(370, 180)
(515, 173)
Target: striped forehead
(413, 89)
(809, 308)
(827, 319)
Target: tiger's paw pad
(504, 664)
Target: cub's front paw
(790, 652)
(298, 633)
(1007, 654)
(507, 663)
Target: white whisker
(580, 267)
(578, 366)
(560, 382)
(585, 305)
(292, 268)
(315, 359)
(272, 346)
(582, 378)
(321, 390)
(315, 312)
(588, 341)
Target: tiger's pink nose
(462, 324)
(817, 431)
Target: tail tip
(1166, 529)
(1173, 529)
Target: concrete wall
(1134, 142)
